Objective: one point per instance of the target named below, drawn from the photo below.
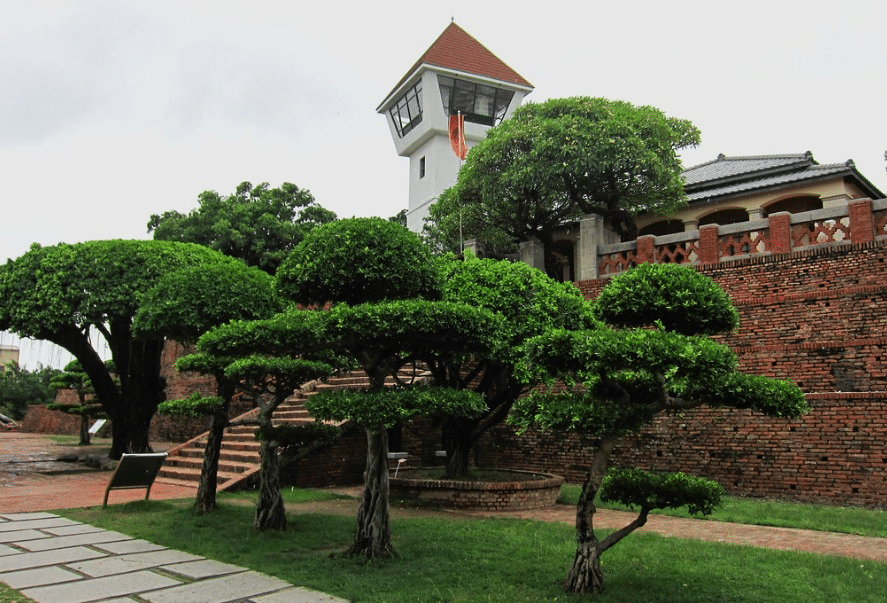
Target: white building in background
(457, 75)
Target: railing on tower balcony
(859, 221)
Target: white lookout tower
(456, 76)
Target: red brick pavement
(31, 481)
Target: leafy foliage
(553, 161)
(186, 303)
(64, 293)
(290, 435)
(359, 260)
(647, 490)
(194, 405)
(679, 299)
(258, 224)
(20, 388)
(383, 409)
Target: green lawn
(450, 558)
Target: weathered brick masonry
(817, 316)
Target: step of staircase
(239, 458)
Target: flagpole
(460, 139)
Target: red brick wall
(818, 317)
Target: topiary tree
(183, 305)
(67, 293)
(390, 320)
(273, 380)
(74, 379)
(529, 303)
(618, 379)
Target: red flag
(457, 135)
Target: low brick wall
(527, 491)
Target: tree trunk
(373, 536)
(84, 430)
(205, 501)
(585, 575)
(270, 513)
(457, 442)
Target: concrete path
(56, 560)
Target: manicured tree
(67, 293)
(182, 306)
(74, 379)
(529, 304)
(272, 381)
(556, 160)
(388, 280)
(258, 224)
(654, 357)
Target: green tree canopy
(556, 160)
(68, 292)
(526, 303)
(359, 260)
(185, 304)
(616, 380)
(257, 224)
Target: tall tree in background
(65, 293)
(20, 388)
(554, 161)
(257, 224)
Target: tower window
(421, 167)
(406, 113)
(479, 103)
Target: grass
(752, 511)
(452, 558)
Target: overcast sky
(113, 110)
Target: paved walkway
(51, 559)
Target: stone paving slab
(123, 564)
(20, 561)
(78, 528)
(40, 576)
(297, 595)
(226, 589)
(36, 523)
(29, 516)
(95, 589)
(8, 550)
(202, 568)
(22, 535)
(123, 547)
(62, 542)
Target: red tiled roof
(455, 49)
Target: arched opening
(724, 216)
(562, 258)
(794, 205)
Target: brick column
(708, 244)
(781, 232)
(646, 251)
(862, 226)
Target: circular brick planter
(515, 491)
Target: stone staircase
(239, 458)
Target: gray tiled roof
(728, 176)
